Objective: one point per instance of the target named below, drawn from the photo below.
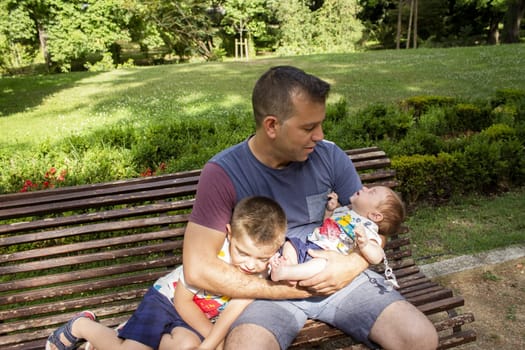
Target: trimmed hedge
(440, 146)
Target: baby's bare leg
(281, 270)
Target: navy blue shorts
(154, 317)
(301, 248)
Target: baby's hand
(332, 201)
(360, 236)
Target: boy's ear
(229, 232)
(375, 216)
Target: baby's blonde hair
(393, 210)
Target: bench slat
(90, 258)
(154, 208)
(101, 246)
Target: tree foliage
(444, 22)
(305, 28)
(65, 35)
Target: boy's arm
(189, 311)
(223, 323)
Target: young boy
(374, 211)
(174, 315)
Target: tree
(336, 26)
(295, 24)
(66, 31)
(78, 31)
(184, 25)
(24, 26)
(17, 37)
(332, 26)
(245, 18)
(512, 21)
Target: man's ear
(270, 124)
(375, 216)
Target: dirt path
(495, 294)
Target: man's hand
(339, 271)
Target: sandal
(54, 338)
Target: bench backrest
(101, 246)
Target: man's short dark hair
(273, 92)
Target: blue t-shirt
(301, 188)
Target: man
(288, 160)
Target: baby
(372, 212)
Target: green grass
(467, 225)
(38, 108)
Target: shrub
(470, 117)
(417, 142)
(493, 164)
(508, 97)
(384, 122)
(427, 177)
(417, 105)
(499, 132)
(337, 111)
(433, 121)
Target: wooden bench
(100, 247)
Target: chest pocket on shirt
(316, 206)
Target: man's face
(298, 135)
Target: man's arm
(339, 271)
(203, 269)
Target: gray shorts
(353, 310)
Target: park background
(95, 91)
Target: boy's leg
(104, 338)
(180, 338)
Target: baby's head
(257, 230)
(381, 205)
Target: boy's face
(367, 200)
(248, 256)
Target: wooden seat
(101, 246)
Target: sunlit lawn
(36, 108)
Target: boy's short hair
(262, 218)
(393, 210)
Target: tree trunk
(398, 35)
(512, 22)
(42, 37)
(493, 35)
(410, 23)
(415, 23)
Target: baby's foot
(276, 264)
